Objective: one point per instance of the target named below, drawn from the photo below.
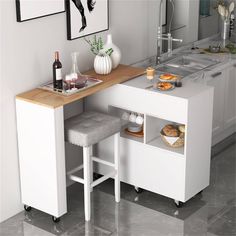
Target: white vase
(116, 55)
(102, 64)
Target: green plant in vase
(96, 45)
(102, 60)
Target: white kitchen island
(177, 173)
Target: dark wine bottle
(57, 75)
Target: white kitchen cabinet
(147, 162)
(216, 80)
(230, 97)
(223, 80)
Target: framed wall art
(32, 9)
(85, 17)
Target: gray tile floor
(211, 213)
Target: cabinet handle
(216, 74)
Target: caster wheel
(55, 219)
(27, 208)
(138, 190)
(178, 204)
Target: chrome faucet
(168, 36)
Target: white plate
(171, 81)
(134, 128)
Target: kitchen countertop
(189, 88)
(52, 100)
(133, 76)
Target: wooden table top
(49, 99)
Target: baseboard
(222, 145)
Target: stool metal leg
(91, 167)
(117, 165)
(87, 200)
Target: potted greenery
(102, 60)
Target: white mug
(139, 119)
(125, 116)
(132, 117)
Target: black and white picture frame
(86, 17)
(32, 9)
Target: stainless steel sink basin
(191, 62)
(174, 70)
(186, 65)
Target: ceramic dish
(173, 80)
(214, 49)
(155, 87)
(134, 128)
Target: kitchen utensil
(227, 14)
(134, 128)
(178, 83)
(76, 83)
(150, 73)
(175, 77)
(225, 30)
(155, 87)
(214, 49)
(132, 117)
(138, 134)
(231, 8)
(221, 10)
(139, 119)
(125, 116)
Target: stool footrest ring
(102, 179)
(76, 179)
(78, 168)
(103, 162)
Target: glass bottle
(57, 75)
(74, 73)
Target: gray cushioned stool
(85, 130)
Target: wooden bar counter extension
(53, 100)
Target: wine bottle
(57, 75)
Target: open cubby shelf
(157, 142)
(152, 128)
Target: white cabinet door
(230, 97)
(216, 80)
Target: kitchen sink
(174, 70)
(186, 64)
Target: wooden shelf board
(49, 99)
(123, 134)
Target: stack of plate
(134, 128)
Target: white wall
(26, 56)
